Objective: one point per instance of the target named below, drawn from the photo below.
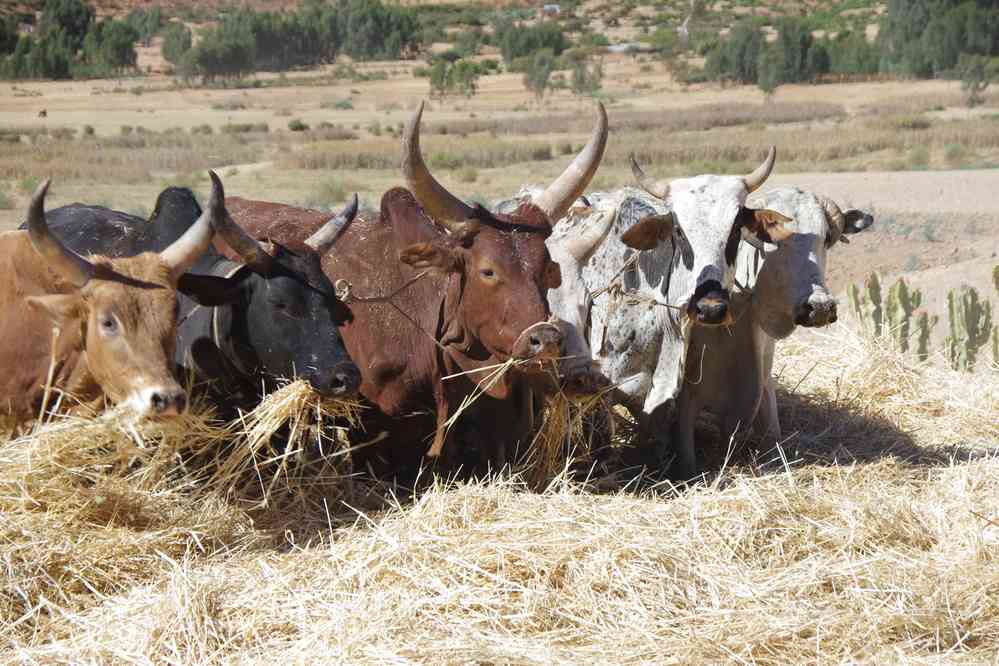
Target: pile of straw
(291, 440)
(871, 536)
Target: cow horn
(835, 217)
(581, 246)
(187, 249)
(658, 189)
(555, 200)
(755, 180)
(67, 263)
(441, 205)
(324, 237)
(248, 249)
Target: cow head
(123, 311)
(287, 312)
(505, 268)
(707, 218)
(790, 289)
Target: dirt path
(963, 192)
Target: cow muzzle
(584, 382)
(159, 401)
(710, 305)
(344, 381)
(540, 342)
(816, 312)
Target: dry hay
(889, 558)
(571, 429)
(293, 437)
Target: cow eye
(109, 325)
(487, 273)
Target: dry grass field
(870, 536)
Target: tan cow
(106, 328)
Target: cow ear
(209, 290)
(766, 225)
(649, 232)
(855, 221)
(431, 256)
(62, 309)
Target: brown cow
(469, 292)
(104, 328)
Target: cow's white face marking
(706, 208)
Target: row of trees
(921, 38)
(245, 41)
(796, 56)
(68, 42)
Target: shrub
(296, 125)
(88, 130)
(126, 130)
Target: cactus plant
(898, 309)
(866, 304)
(970, 327)
(924, 326)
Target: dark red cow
(468, 292)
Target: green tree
(976, 74)
(463, 77)
(438, 79)
(769, 71)
(146, 22)
(8, 35)
(538, 73)
(518, 41)
(736, 57)
(72, 17)
(109, 47)
(794, 41)
(177, 42)
(587, 80)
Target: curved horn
(441, 205)
(835, 217)
(187, 249)
(71, 266)
(582, 245)
(241, 242)
(755, 180)
(324, 237)
(659, 189)
(557, 198)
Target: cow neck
(463, 352)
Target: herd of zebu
(667, 298)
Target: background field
(870, 536)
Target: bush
(202, 129)
(245, 128)
(126, 130)
(296, 125)
(177, 41)
(519, 41)
(88, 130)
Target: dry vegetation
(871, 535)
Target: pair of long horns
(660, 188)
(179, 256)
(449, 210)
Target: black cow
(273, 315)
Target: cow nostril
(159, 402)
(535, 342)
(181, 402)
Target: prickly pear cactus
(924, 326)
(970, 321)
(898, 309)
(866, 305)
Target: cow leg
(767, 423)
(684, 467)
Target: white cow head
(707, 217)
(790, 289)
